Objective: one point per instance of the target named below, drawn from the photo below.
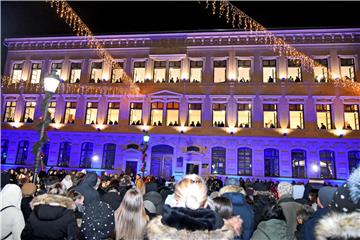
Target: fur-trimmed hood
(156, 230)
(339, 226)
(53, 200)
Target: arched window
(86, 154)
(45, 151)
(132, 146)
(64, 154)
(109, 156)
(271, 162)
(354, 160)
(245, 161)
(22, 152)
(298, 161)
(193, 149)
(218, 160)
(327, 164)
(4, 150)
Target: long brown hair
(130, 217)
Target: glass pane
(194, 117)
(172, 117)
(139, 74)
(219, 75)
(269, 74)
(195, 74)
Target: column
(206, 112)
(338, 111)
(124, 111)
(283, 113)
(85, 71)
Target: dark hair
(74, 195)
(273, 211)
(304, 212)
(223, 207)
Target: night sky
(19, 19)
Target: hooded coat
(187, 224)
(156, 199)
(86, 188)
(289, 207)
(12, 219)
(272, 229)
(52, 218)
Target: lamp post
(51, 83)
(144, 148)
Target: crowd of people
(83, 205)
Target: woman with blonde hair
(130, 217)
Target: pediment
(165, 93)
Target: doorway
(131, 167)
(161, 161)
(192, 168)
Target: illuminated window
(219, 114)
(323, 114)
(172, 114)
(244, 162)
(109, 156)
(117, 72)
(22, 152)
(35, 72)
(244, 115)
(244, 70)
(70, 111)
(218, 160)
(269, 71)
(354, 160)
(347, 68)
(194, 119)
(139, 72)
(29, 112)
(271, 162)
(321, 70)
(86, 154)
(57, 67)
(196, 68)
(16, 72)
(75, 72)
(96, 72)
(296, 112)
(45, 153)
(219, 71)
(351, 116)
(4, 150)
(174, 71)
(159, 71)
(51, 110)
(298, 160)
(135, 113)
(294, 70)
(270, 115)
(91, 113)
(9, 111)
(113, 113)
(327, 164)
(157, 109)
(64, 154)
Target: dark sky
(20, 19)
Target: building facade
(220, 103)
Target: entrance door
(192, 168)
(161, 161)
(131, 167)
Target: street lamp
(146, 137)
(51, 83)
(144, 147)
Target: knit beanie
(285, 188)
(28, 189)
(326, 194)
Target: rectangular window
(29, 112)
(75, 72)
(194, 119)
(219, 71)
(269, 71)
(135, 113)
(16, 72)
(296, 112)
(116, 72)
(172, 114)
(244, 115)
(9, 115)
(244, 70)
(351, 116)
(244, 161)
(51, 110)
(347, 68)
(91, 113)
(196, 68)
(35, 72)
(298, 160)
(64, 154)
(327, 164)
(219, 114)
(57, 67)
(323, 114)
(321, 70)
(294, 70)
(139, 72)
(70, 111)
(159, 71)
(270, 115)
(218, 160)
(174, 71)
(157, 109)
(22, 152)
(96, 72)
(113, 113)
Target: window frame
(22, 152)
(241, 165)
(296, 174)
